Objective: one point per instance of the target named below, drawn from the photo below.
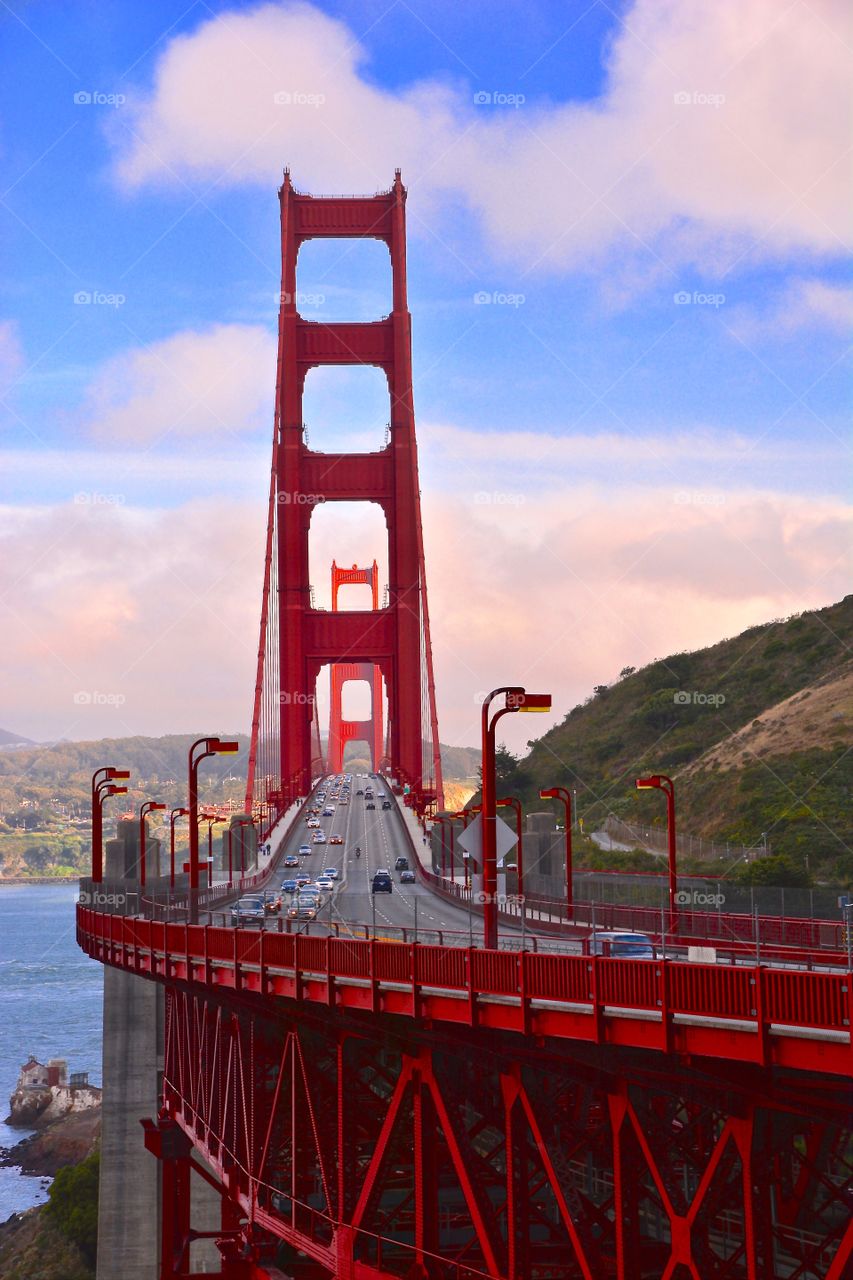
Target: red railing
(780, 1003)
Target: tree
(626, 671)
(73, 1204)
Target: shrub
(73, 1204)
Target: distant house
(35, 1075)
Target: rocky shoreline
(67, 1140)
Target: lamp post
(173, 815)
(211, 819)
(563, 793)
(103, 777)
(512, 802)
(241, 822)
(148, 807)
(210, 747)
(517, 699)
(660, 782)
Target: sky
(629, 253)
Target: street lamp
(148, 807)
(511, 802)
(563, 793)
(173, 815)
(211, 819)
(517, 699)
(98, 796)
(210, 747)
(660, 782)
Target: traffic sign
(471, 838)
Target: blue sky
(670, 314)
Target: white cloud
(207, 384)
(717, 131)
(803, 304)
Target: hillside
(755, 730)
(45, 821)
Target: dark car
(386, 804)
(370, 805)
(249, 910)
(382, 882)
(360, 792)
(407, 877)
(402, 863)
(288, 886)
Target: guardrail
(748, 1013)
(741, 933)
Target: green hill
(756, 731)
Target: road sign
(471, 838)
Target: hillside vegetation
(756, 731)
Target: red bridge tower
(372, 730)
(296, 639)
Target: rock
(65, 1141)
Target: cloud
(193, 384)
(804, 304)
(561, 589)
(717, 136)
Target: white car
(325, 882)
(319, 837)
(313, 822)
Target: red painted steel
(749, 1014)
(396, 638)
(371, 730)
(350, 1141)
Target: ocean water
(50, 1006)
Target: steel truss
(361, 1146)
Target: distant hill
(8, 739)
(757, 732)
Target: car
(336, 839)
(360, 791)
(381, 883)
(301, 880)
(368, 795)
(325, 883)
(313, 822)
(329, 811)
(248, 910)
(370, 805)
(381, 795)
(272, 901)
(331, 872)
(302, 910)
(402, 863)
(621, 945)
(344, 800)
(288, 886)
(407, 877)
(319, 837)
(386, 804)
